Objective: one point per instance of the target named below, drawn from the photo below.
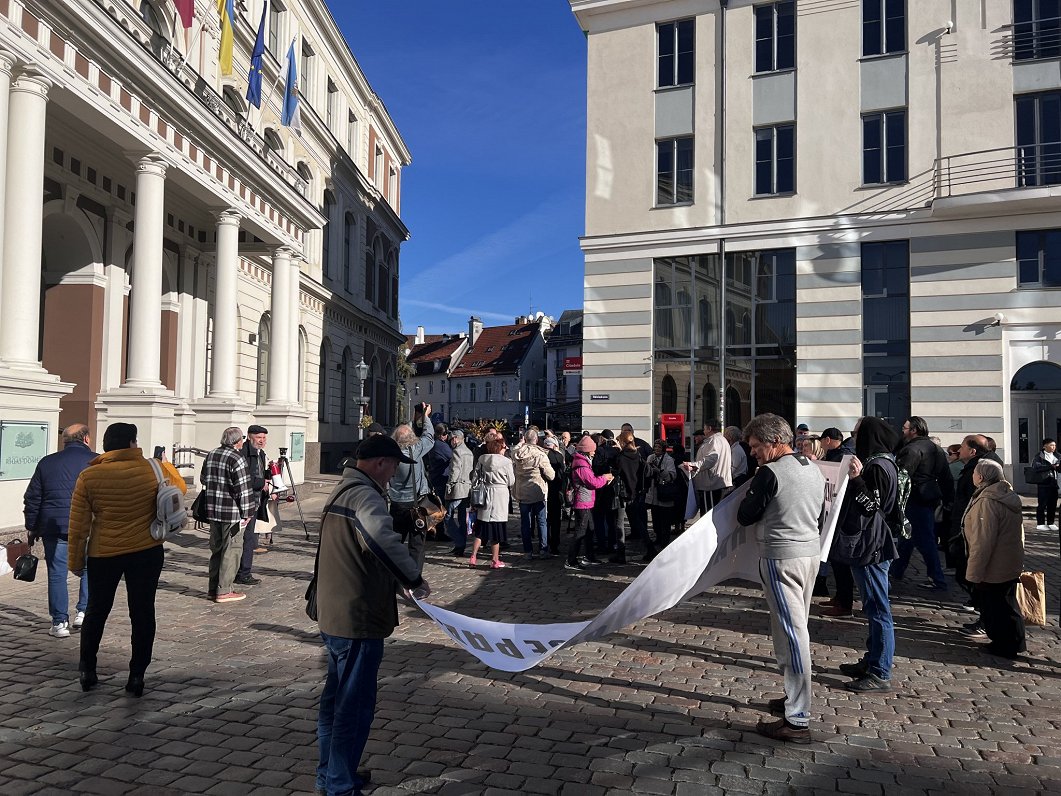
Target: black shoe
(870, 682)
(994, 649)
(856, 670)
(574, 565)
(88, 680)
(457, 553)
(247, 580)
(135, 686)
(777, 706)
(590, 562)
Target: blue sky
(490, 98)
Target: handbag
(15, 549)
(1031, 597)
(1036, 476)
(199, 507)
(427, 512)
(478, 491)
(25, 565)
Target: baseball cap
(381, 447)
(833, 433)
(802, 427)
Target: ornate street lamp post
(361, 369)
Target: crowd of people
(905, 494)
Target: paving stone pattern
(666, 707)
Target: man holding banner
(786, 504)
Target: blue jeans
(58, 596)
(872, 582)
(923, 537)
(457, 522)
(533, 512)
(347, 707)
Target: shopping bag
(1031, 597)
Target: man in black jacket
(931, 485)
(262, 485)
(46, 506)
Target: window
(304, 82)
(326, 236)
(430, 388)
(1036, 29)
(153, 18)
(775, 160)
(675, 53)
(886, 330)
(351, 136)
(264, 334)
(377, 171)
(276, 17)
(442, 386)
(345, 369)
(504, 391)
(370, 276)
(458, 392)
(1039, 258)
(883, 26)
(1039, 139)
(489, 391)
(392, 186)
(884, 147)
(471, 392)
(669, 398)
(674, 171)
(775, 36)
(349, 234)
(331, 106)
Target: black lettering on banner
(555, 644)
(536, 646)
(452, 632)
(508, 647)
(478, 641)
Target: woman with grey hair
(994, 532)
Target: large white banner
(715, 549)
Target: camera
(283, 452)
(160, 452)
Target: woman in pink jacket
(584, 485)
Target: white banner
(715, 549)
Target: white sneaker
(1044, 528)
(1052, 527)
(79, 619)
(61, 630)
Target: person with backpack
(864, 541)
(661, 477)
(630, 491)
(554, 501)
(109, 535)
(931, 486)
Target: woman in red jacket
(584, 485)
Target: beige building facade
(824, 211)
(177, 259)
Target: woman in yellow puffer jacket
(111, 512)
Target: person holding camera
(410, 482)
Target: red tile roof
(423, 357)
(499, 350)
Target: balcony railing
(1006, 168)
(1034, 40)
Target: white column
(145, 301)
(280, 339)
(188, 352)
(292, 360)
(223, 350)
(7, 63)
(23, 220)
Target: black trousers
(999, 612)
(662, 523)
(1046, 511)
(583, 531)
(141, 571)
(554, 510)
(845, 585)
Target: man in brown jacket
(530, 463)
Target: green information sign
(298, 446)
(22, 445)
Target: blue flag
(291, 117)
(254, 77)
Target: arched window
(704, 333)
(458, 392)
(273, 140)
(504, 391)
(326, 235)
(489, 391)
(734, 409)
(709, 403)
(264, 332)
(746, 329)
(668, 395)
(392, 267)
(349, 234)
(345, 374)
(472, 392)
(430, 387)
(685, 318)
(155, 19)
(1037, 376)
(300, 379)
(322, 382)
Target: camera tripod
(285, 463)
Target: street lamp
(416, 392)
(361, 369)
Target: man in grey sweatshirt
(785, 502)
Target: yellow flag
(228, 26)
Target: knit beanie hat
(586, 445)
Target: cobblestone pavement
(665, 707)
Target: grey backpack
(170, 513)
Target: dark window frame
(885, 168)
(883, 27)
(891, 351)
(1041, 241)
(675, 66)
(776, 182)
(1035, 37)
(676, 186)
(1038, 150)
(774, 48)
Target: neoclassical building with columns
(175, 258)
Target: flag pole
(276, 82)
(195, 37)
